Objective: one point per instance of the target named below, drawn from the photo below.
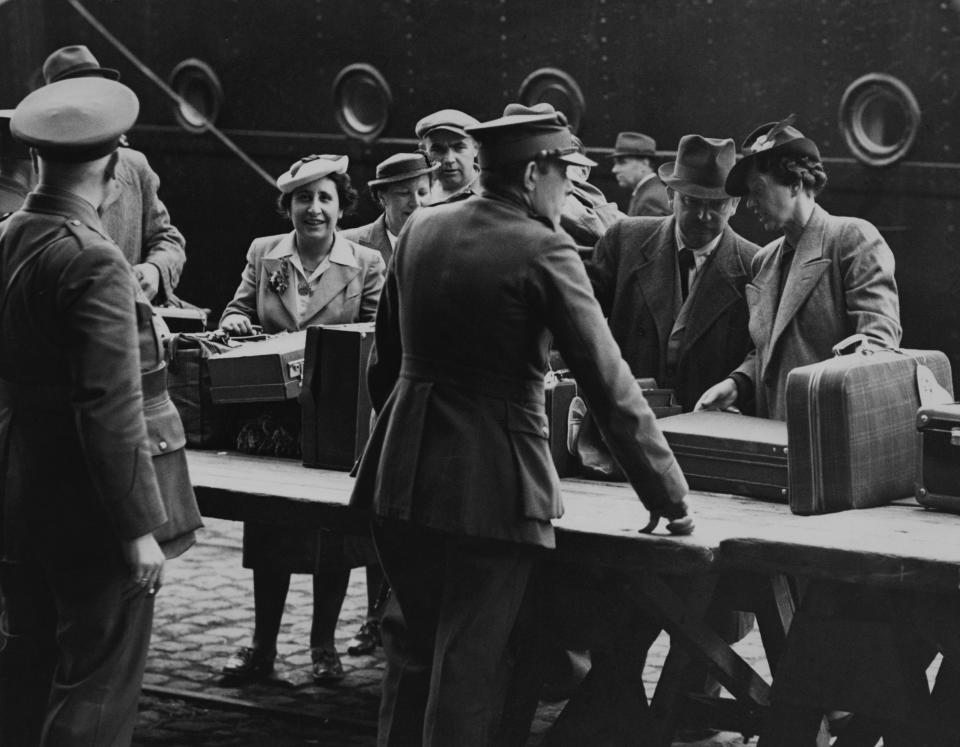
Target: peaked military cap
(76, 119)
(634, 144)
(309, 169)
(402, 166)
(74, 62)
(452, 120)
(780, 138)
(524, 134)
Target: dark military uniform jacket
(76, 469)
(463, 334)
(684, 346)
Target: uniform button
(162, 445)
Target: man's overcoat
(634, 273)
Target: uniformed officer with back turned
(458, 472)
(93, 493)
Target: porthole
(362, 101)
(553, 86)
(196, 83)
(879, 117)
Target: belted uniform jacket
(373, 236)
(140, 224)
(348, 290)
(76, 473)
(635, 277)
(463, 334)
(841, 282)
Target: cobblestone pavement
(205, 612)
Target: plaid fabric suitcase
(725, 452)
(938, 466)
(851, 426)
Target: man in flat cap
(93, 493)
(133, 216)
(444, 138)
(633, 166)
(673, 287)
(458, 472)
(402, 185)
(18, 174)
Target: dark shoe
(326, 666)
(366, 639)
(249, 664)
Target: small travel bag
(938, 465)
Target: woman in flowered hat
(312, 275)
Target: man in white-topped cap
(444, 138)
(87, 509)
(458, 473)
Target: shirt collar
(342, 252)
(392, 239)
(698, 252)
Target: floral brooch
(278, 278)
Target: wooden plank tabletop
(897, 544)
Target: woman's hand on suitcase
(237, 324)
(683, 525)
(721, 396)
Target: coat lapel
(715, 290)
(343, 268)
(379, 239)
(274, 261)
(808, 266)
(656, 274)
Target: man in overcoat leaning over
(672, 287)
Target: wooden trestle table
(852, 607)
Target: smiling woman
(312, 275)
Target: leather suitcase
(183, 319)
(851, 427)
(725, 452)
(559, 393)
(938, 465)
(335, 405)
(264, 371)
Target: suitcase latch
(955, 436)
(295, 369)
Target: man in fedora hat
(633, 166)
(18, 173)
(458, 473)
(90, 502)
(133, 216)
(444, 138)
(673, 287)
(402, 185)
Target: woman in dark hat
(312, 275)
(827, 278)
(403, 185)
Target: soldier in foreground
(93, 494)
(458, 472)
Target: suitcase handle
(867, 345)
